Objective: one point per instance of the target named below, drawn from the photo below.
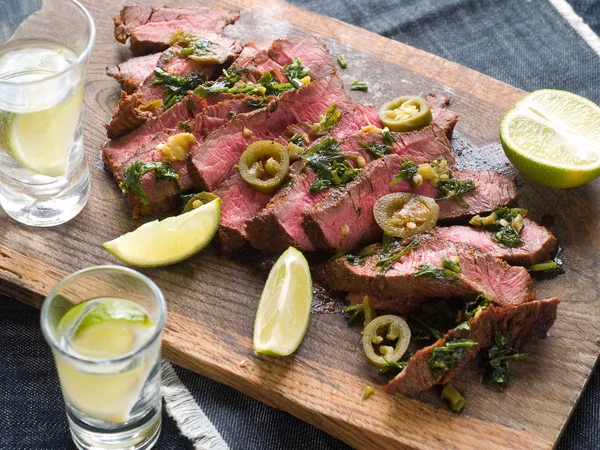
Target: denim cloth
(523, 42)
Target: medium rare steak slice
(151, 29)
(539, 243)
(132, 73)
(352, 205)
(217, 115)
(283, 216)
(215, 159)
(311, 50)
(520, 324)
(150, 99)
(480, 273)
(443, 117)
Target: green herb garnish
(341, 59)
(548, 266)
(134, 173)
(378, 150)
(387, 137)
(454, 189)
(392, 251)
(176, 87)
(368, 392)
(257, 102)
(359, 86)
(449, 355)
(327, 121)
(395, 367)
(184, 126)
(297, 139)
(295, 72)
(330, 165)
(452, 396)
(409, 170)
(355, 311)
(496, 366)
(449, 271)
(505, 225)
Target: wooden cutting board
(212, 300)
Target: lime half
(284, 307)
(169, 241)
(42, 140)
(553, 138)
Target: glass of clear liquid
(104, 327)
(44, 50)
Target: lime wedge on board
(284, 307)
(169, 241)
(553, 138)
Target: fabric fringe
(582, 28)
(190, 419)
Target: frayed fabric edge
(190, 419)
(582, 28)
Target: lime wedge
(104, 329)
(169, 241)
(284, 307)
(42, 140)
(553, 138)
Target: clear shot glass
(104, 326)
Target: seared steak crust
(521, 323)
(480, 273)
(132, 73)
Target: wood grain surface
(212, 300)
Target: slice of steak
(217, 115)
(283, 216)
(151, 29)
(132, 73)
(520, 324)
(539, 243)
(443, 117)
(353, 204)
(238, 202)
(311, 50)
(215, 159)
(135, 109)
(480, 273)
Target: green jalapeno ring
(381, 331)
(199, 199)
(390, 204)
(420, 118)
(263, 151)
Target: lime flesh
(553, 138)
(284, 308)
(169, 241)
(104, 329)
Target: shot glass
(104, 326)
(44, 51)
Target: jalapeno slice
(405, 215)
(197, 200)
(385, 339)
(264, 165)
(407, 113)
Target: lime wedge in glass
(553, 138)
(42, 140)
(169, 241)
(104, 329)
(284, 307)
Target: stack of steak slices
(305, 213)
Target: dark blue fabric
(522, 42)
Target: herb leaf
(505, 224)
(134, 173)
(496, 366)
(330, 165)
(508, 237)
(448, 355)
(387, 137)
(295, 72)
(395, 367)
(176, 87)
(454, 189)
(327, 121)
(392, 251)
(409, 170)
(446, 272)
(359, 86)
(341, 59)
(184, 126)
(378, 150)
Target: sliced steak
(217, 115)
(151, 29)
(132, 73)
(353, 204)
(283, 216)
(443, 117)
(354, 120)
(521, 324)
(311, 50)
(133, 110)
(480, 273)
(539, 243)
(215, 159)
(239, 201)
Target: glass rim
(160, 324)
(76, 62)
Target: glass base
(45, 205)
(140, 437)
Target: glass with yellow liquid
(44, 51)
(104, 327)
